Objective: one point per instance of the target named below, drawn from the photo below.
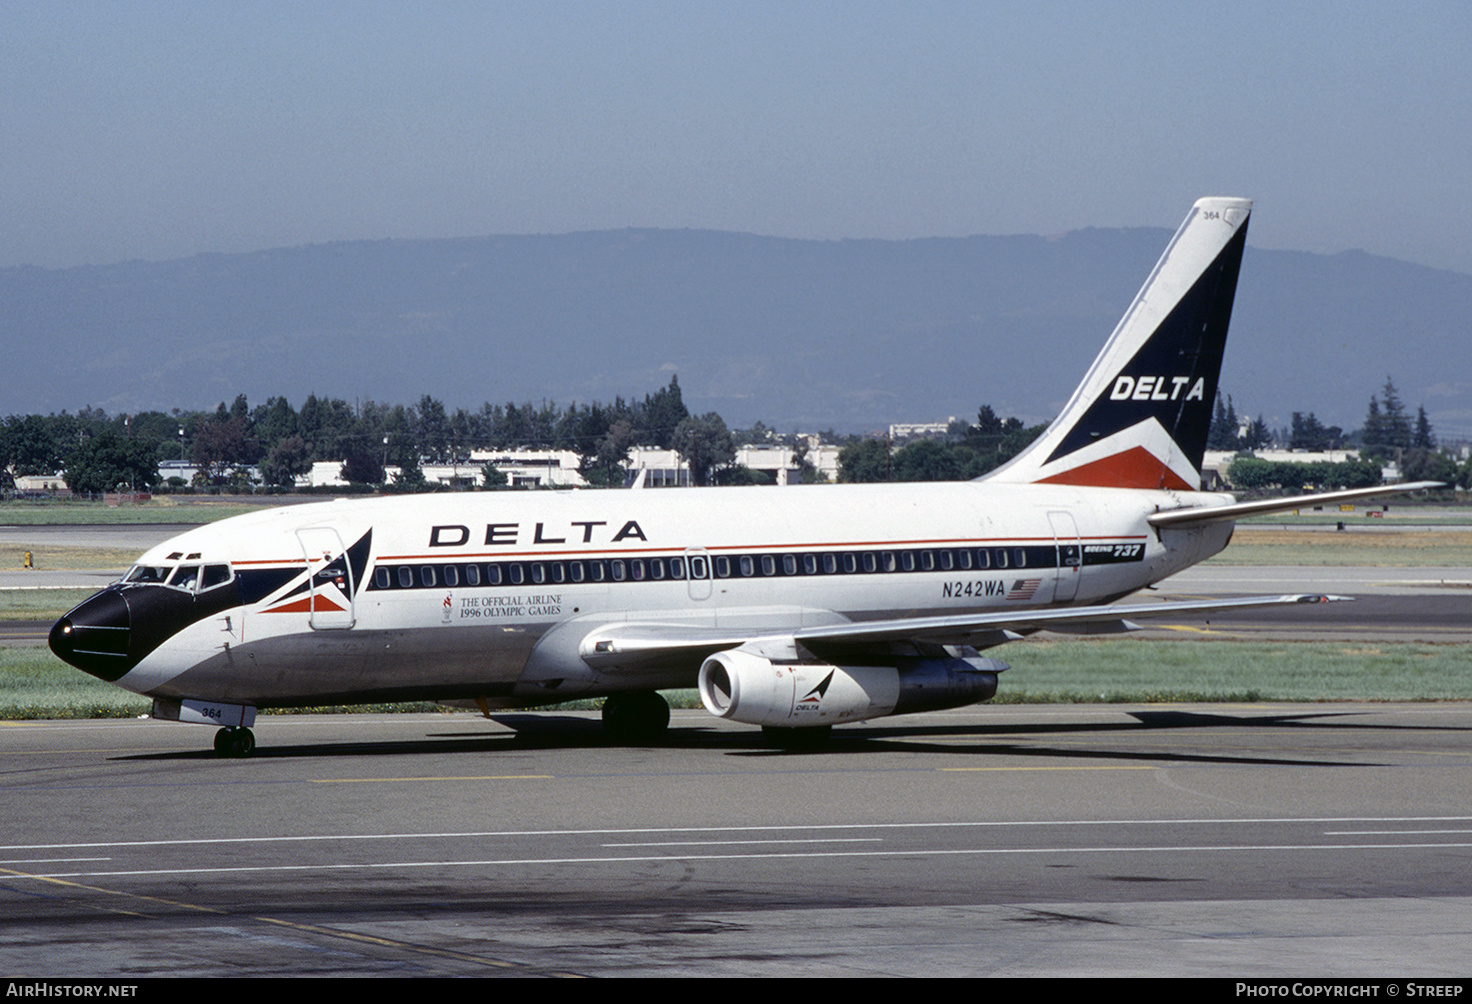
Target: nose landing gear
(234, 742)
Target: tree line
(1388, 436)
(100, 453)
(967, 451)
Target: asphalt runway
(1231, 841)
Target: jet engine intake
(746, 687)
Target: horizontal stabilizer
(1226, 513)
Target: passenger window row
(720, 566)
(518, 573)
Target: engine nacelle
(746, 687)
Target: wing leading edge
(639, 646)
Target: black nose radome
(94, 637)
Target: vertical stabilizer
(1140, 417)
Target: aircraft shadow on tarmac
(550, 731)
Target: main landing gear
(640, 717)
(234, 742)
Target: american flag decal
(1023, 589)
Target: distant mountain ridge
(850, 334)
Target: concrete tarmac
(1218, 840)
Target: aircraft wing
(1235, 511)
(646, 645)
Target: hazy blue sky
(155, 130)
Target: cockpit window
(141, 574)
(213, 575)
(191, 577)
(185, 577)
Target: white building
(528, 468)
(779, 462)
(660, 468)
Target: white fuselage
(488, 595)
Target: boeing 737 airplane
(790, 608)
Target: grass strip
(1135, 670)
(62, 557)
(1361, 547)
(159, 510)
(1413, 516)
(39, 604)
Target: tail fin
(1140, 417)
